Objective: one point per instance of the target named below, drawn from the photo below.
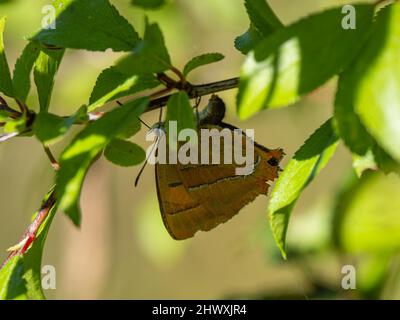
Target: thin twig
(180, 75)
(167, 81)
(22, 106)
(7, 136)
(160, 93)
(196, 91)
(54, 163)
(4, 106)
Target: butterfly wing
(221, 190)
(198, 197)
(182, 215)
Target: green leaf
(297, 59)
(306, 164)
(373, 272)
(12, 284)
(113, 84)
(366, 153)
(130, 130)
(16, 125)
(367, 215)
(4, 116)
(262, 16)
(22, 70)
(33, 257)
(46, 67)
(248, 40)
(149, 56)
(6, 86)
(347, 122)
(94, 25)
(49, 128)
(375, 158)
(362, 163)
(373, 83)
(351, 130)
(263, 23)
(149, 4)
(83, 150)
(202, 60)
(384, 161)
(124, 153)
(180, 110)
(20, 276)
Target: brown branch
(22, 106)
(5, 107)
(53, 160)
(160, 93)
(179, 74)
(167, 81)
(196, 91)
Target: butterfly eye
(273, 162)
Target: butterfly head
(275, 158)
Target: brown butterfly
(195, 197)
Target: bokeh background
(122, 250)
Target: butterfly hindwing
(182, 215)
(196, 197)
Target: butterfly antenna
(151, 152)
(140, 173)
(144, 123)
(141, 121)
(145, 163)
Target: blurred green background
(122, 250)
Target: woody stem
(53, 161)
(196, 91)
